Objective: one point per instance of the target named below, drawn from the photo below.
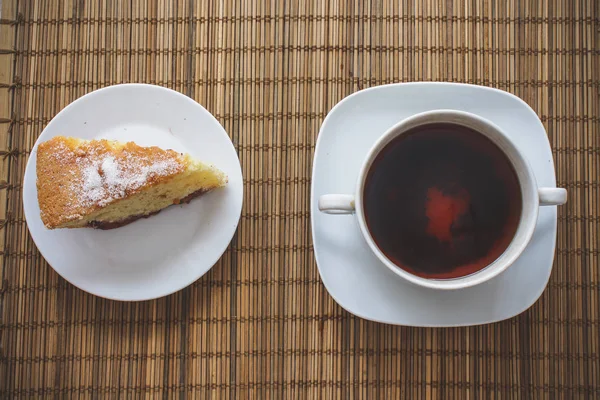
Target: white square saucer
(354, 276)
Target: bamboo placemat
(260, 324)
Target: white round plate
(151, 257)
(354, 276)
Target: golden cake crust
(72, 175)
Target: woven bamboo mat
(260, 324)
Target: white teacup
(532, 196)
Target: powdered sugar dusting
(106, 178)
(111, 170)
(92, 184)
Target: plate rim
(314, 211)
(27, 182)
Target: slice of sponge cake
(107, 184)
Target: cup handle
(337, 204)
(552, 196)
